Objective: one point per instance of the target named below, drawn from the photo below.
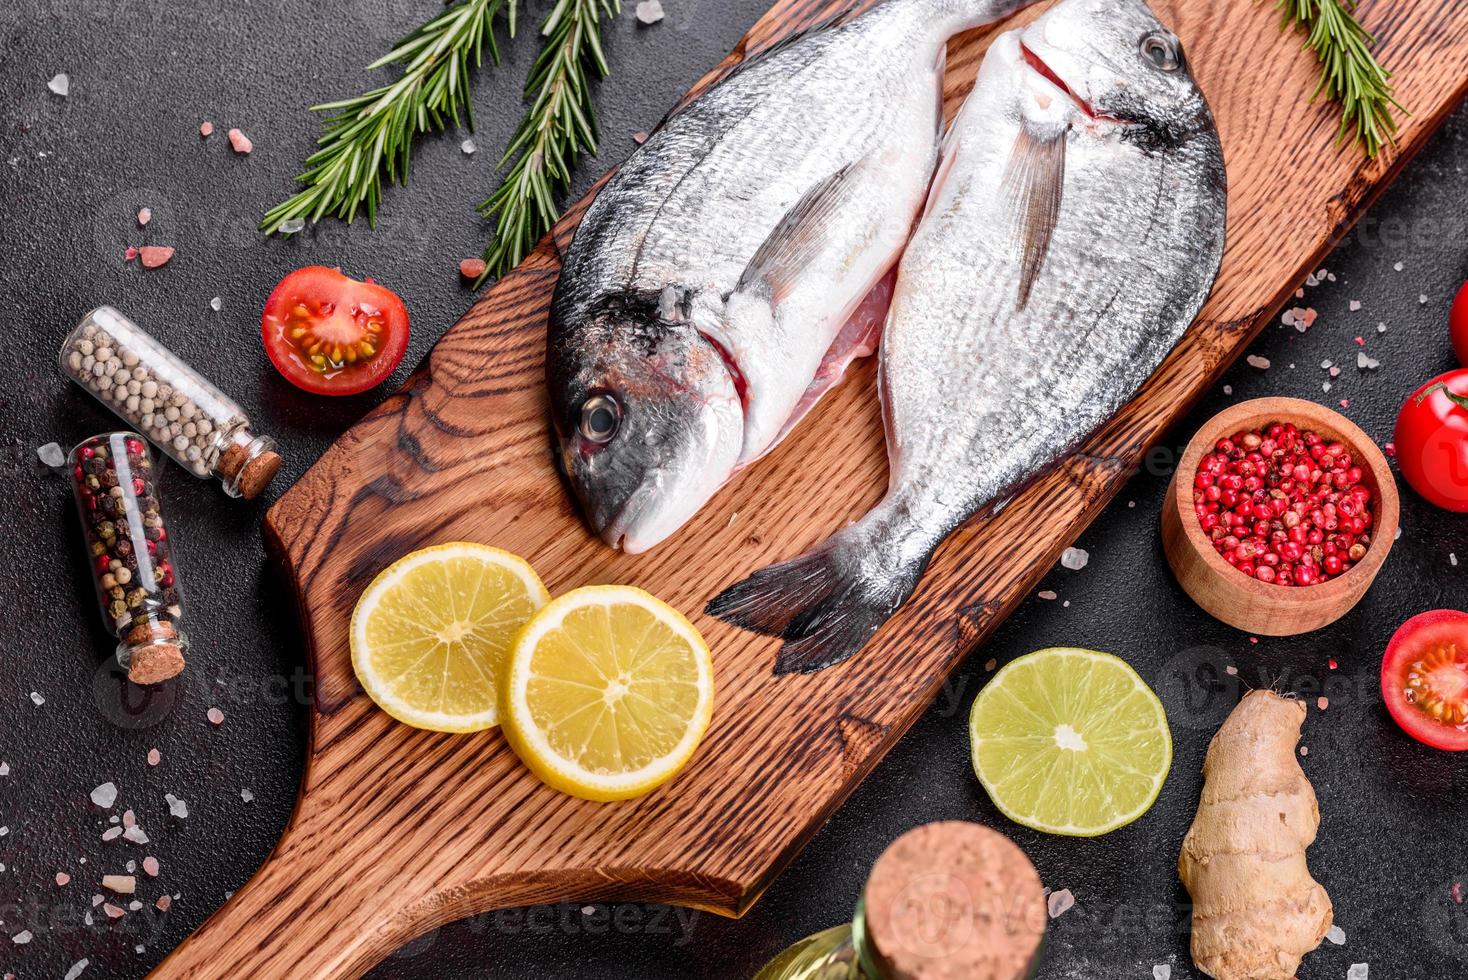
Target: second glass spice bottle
(174, 406)
(130, 554)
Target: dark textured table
(73, 174)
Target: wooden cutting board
(398, 831)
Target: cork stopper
(155, 653)
(954, 901)
(248, 474)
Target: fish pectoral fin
(1034, 182)
(779, 260)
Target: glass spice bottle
(130, 553)
(174, 406)
(945, 900)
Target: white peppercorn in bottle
(169, 402)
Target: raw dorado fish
(701, 306)
(1075, 228)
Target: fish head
(1120, 67)
(648, 420)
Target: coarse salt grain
(1059, 903)
(150, 866)
(21, 938)
(471, 268)
(135, 834)
(36, 699)
(1304, 750)
(129, 818)
(60, 84)
(62, 879)
(121, 884)
(1355, 305)
(1336, 935)
(649, 12)
(639, 137)
(129, 253)
(291, 226)
(1047, 594)
(176, 807)
(247, 796)
(154, 757)
(1161, 972)
(1228, 389)
(105, 795)
(1322, 703)
(77, 968)
(1457, 892)
(990, 664)
(1255, 361)
(155, 256)
(1365, 362)
(216, 717)
(4, 768)
(111, 833)
(164, 903)
(113, 912)
(145, 215)
(239, 142)
(468, 147)
(206, 129)
(216, 304)
(1359, 971)
(51, 455)
(1398, 267)
(1074, 559)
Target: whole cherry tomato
(1459, 322)
(1432, 440)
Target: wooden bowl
(1264, 607)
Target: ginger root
(1256, 910)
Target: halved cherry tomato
(1432, 440)
(1424, 678)
(1458, 322)
(332, 335)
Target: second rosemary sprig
(1350, 73)
(559, 126)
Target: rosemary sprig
(559, 126)
(370, 136)
(1350, 74)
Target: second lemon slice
(607, 693)
(430, 634)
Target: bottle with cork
(946, 901)
(168, 402)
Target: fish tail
(826, 603)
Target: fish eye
(600, 418)
(1161, 51)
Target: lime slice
(1070, 742)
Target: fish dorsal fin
(799, 233)
(1034, 182)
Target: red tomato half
(1458, 320)
(331, 334)
(1432, 440)
(1424, 678)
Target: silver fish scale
(693, 205)
(980, 396)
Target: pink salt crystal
(145, 216)
(239, 142)
(216, 717)
(164, 903)
(129, 818)
(471, 268)
(1345, 403)
(155, 255)
(150, 865)
(1335, 372)
(1355, 305)
(131, 253)
(97, 900)
(1458, 892)
(113, 912)
(639, 138)
(206, 128)
(1308, 315)
(1360, 341)
(1304, 750)
(1390, 449)
(1231, 670)
(62, 878)
(1059, 903)
(1323, 703)
(154, 757)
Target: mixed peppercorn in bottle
(130, 553)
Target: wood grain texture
(398, 831)
(1244, 602)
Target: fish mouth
(1037, 64)
(615, 531)
(731, 365)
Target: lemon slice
(1070, 742)
(430, 634)
(607, 693)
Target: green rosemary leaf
(369, 136)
